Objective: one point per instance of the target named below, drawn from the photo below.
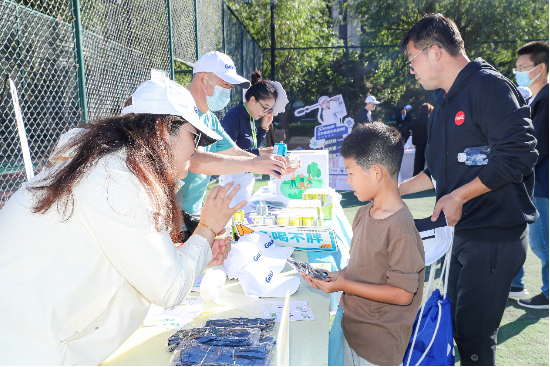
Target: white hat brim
(234, 78)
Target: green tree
(298, 23)
(313, 170)
(479, 22)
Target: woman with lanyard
(263, 100)
(90, 242)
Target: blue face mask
(523, 80)
(219, 99)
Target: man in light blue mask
(214, 75)
(532, 71)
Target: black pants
(419, 159)
(480, 277)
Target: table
(342, 228)
(308, 339)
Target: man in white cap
(366, 113)
(403, 119)
(214, 74)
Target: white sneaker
(517, 292)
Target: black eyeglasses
(266, 110)
(196, 137)
(408, 63)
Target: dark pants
(479, 282)
(419, 159)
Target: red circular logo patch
(459, 118)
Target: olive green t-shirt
(383, 251)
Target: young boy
(384, 279)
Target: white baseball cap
(258, 248)
(166, 97)
(221, 65)
(371, 99)
(258, 280)
(281, 101)
(408, 107)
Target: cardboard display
(314, 173)
(330, 135)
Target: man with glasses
(214, 75)
(531, 71)
(489, 205)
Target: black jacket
(419, 128)
(484, 108)
(403, 124)
(539, 113)
(364, 117)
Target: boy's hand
(332, 284)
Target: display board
(314, 173)
(330, 135)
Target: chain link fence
(75, 61)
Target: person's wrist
(212, 231)
(458, 197)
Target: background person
(490, 239)
(261, 102)
(366, 113)
(403, 119)
(108, 220)
(264, 99)
(532, 72)
(419, 129)
(214, 74)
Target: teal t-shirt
(192, 193)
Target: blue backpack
(432, 340)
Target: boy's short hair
(374, 143)
(434, 29)
(538, 52)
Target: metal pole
(272, 39)
(223, 27)
(170, 40)
(196, 30)
(79, 58)
(242, 49)
(347, 48)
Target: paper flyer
(298, 311)
(175, 317)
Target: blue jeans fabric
(538, 240)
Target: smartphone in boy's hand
(305, 268)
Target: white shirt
(73, 291)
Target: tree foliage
(492, 30)
(313, 170)
(298, 23)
